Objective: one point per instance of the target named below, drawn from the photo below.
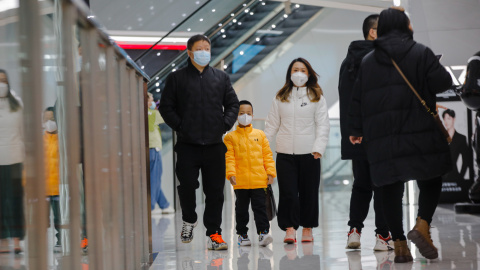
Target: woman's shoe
(420, 236)
(402, 253)
(290, 237)
(307, 235)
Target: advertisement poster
(457, 119)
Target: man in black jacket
(362, 184)
(199, 103)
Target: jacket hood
(394, 45)
(358, 49)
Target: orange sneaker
(215, 242)
(290, 237)
(307, 235)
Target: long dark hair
(314, 91)
(13, 101)
(393, 19)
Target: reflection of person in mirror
(458, 147)
(50, 141)
(12, 154)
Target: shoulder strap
(411, 87)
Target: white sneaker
(187, 232)
(353, 241)
(156, 211)
(243, 240)
(168, 210)
(384, 244)
(264, 239)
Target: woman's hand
(355, 139)
(233, 180)
(316, 155)
(270, 180)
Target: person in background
(401, 138)
(200, 104)
(250, 168)
(12, 155)
(50, 141)
(299, 119)
(362, 188)
(155, 144)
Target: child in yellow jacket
(249, 168)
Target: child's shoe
(243, 240)
(264, 238)
(307, 235)
(290, 237)
(215, 242)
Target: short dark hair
(245, 102)
(369, 23)
(393, 19)
(50, 109)
(191, 41)
(449, 112)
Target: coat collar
(245, 130)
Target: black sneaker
(187, 232)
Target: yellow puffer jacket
(51, 162)
(249, 158)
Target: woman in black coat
(401, 139)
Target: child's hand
(270, 180)
(233, 180)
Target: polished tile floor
(456, 236)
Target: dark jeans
(362, 191)
(55, 205)
(298, 182)
(427, 203)
(12, 220)
(257, 197)
(210, 159)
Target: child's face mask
(245, 119)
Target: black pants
(298, 182)
(257, 197)
(427, 203)
(54, 204)
(12, 220)
(210, 159)
(362, 192)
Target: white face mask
(3, 89)
(245, 119)
(299, 79)
(50, 126)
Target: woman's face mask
(3, 89)
(299, 79)
(153, 106)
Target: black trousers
(257, 197)
(54, 204)
(210, 159)
(12, 220)
(298, 182)
(427, 203)
(362, 191)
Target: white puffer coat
(301, 126)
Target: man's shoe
(383, 244)
(353, 241)
(264, 239)
(243, 240)
(420, 236)
(307, 235)
(215, 242)
(290, 237)
(168, 210)
(402, 252)
(187, 232)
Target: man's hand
(270, 180)
(316, 155)
(355, 140)
(233, 180)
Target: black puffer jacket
(348, 73)
(401, 139)
(200, 107)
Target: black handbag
(270, 203)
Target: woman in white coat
(299, 118)
(12, 223)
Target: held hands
(316, 155)
(233, 180)
(270, 180)
(355, 140)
